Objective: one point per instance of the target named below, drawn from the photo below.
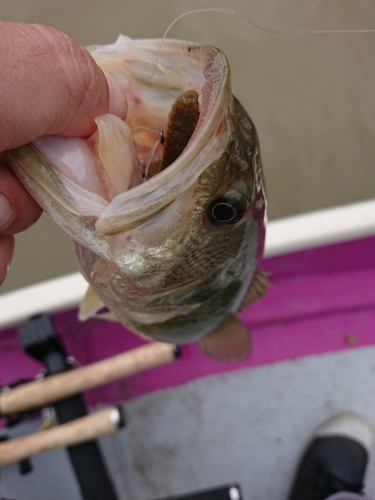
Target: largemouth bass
(166, 207)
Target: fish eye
(226, 211)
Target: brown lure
(182, 120)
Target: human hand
(49, 84)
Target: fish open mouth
(177, 94)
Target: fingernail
(6, 213)
(117, 102)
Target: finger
(6, 254)
(49, 84)
(18, 210)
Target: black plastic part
(38, 338)
(228, 492)
(40, 341)
(12, 420)
(176, 351)
(25, 466)
(122, 422)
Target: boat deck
(181, 439)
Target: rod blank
(39, 393)
(77, 431)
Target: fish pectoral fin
(90, 305)
(258, 288)
(230, 342)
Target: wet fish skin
(184, 263)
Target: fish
(166, 207)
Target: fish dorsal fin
(229, 342)
(90, 305)
(257, 289)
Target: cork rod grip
(77, 431)
(40, 393)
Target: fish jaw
(157, 253)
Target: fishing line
(259, 27)
(150, 156)
(139, 129)
(255, 25)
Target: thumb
(49, 85)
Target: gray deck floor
(249, 426)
